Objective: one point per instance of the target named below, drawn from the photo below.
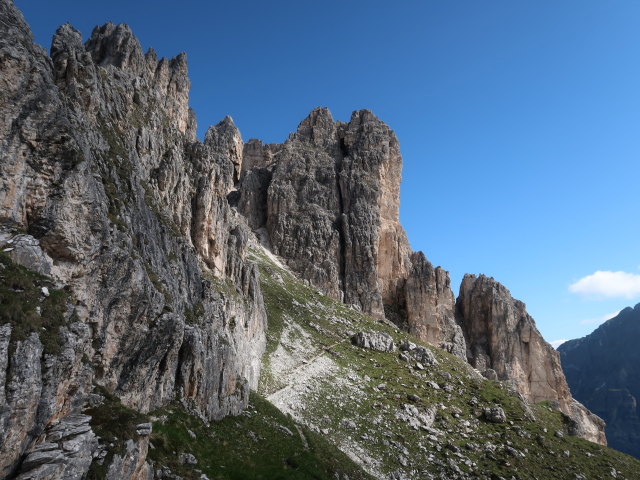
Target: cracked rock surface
(332, 197)
(105, 189)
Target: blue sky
(518, 121)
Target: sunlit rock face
(503, 343)
(332, 196)
(105, 188)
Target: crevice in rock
(396, 312)
(341, 223)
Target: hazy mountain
(603, 371)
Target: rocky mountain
(165, 302)
(105, 190)
(402, 408)
(603, 372)
(332, 196)
(332, 205)
(505, 344)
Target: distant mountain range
(603, 371)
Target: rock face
(381, 342)
(105, 189)
(603, 372)
(332, 194)
(67, 451)
(430, 306)
(504, 343)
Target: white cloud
(607, 284)
(556, 343)
(599, 320)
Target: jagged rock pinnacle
(332, 192)
(503, 341)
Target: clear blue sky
(519, 121)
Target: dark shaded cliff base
(261, 443)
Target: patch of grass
(141, 115)
(284, 295)
(20, 298)
(194, 315)
(157, 284)
(261, 443)
(224, 286)
(116, 173)
(116, 144)
(103, 74)
(150, 200)
(114, 424)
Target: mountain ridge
(133, 272)
(331, 192)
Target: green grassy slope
(24, 305)
(261, 443)
(363, 401)
(327, 409)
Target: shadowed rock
(603, 371)
(128, 214)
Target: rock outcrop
(603, 372)
(504, 344)
(105, 189)
(381, 342)
(332, 195)
(67, 451)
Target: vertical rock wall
(332, 196)
(105, 189)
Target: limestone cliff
(327, 201)
(105, 191)
(331, 195)
(504, 343)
